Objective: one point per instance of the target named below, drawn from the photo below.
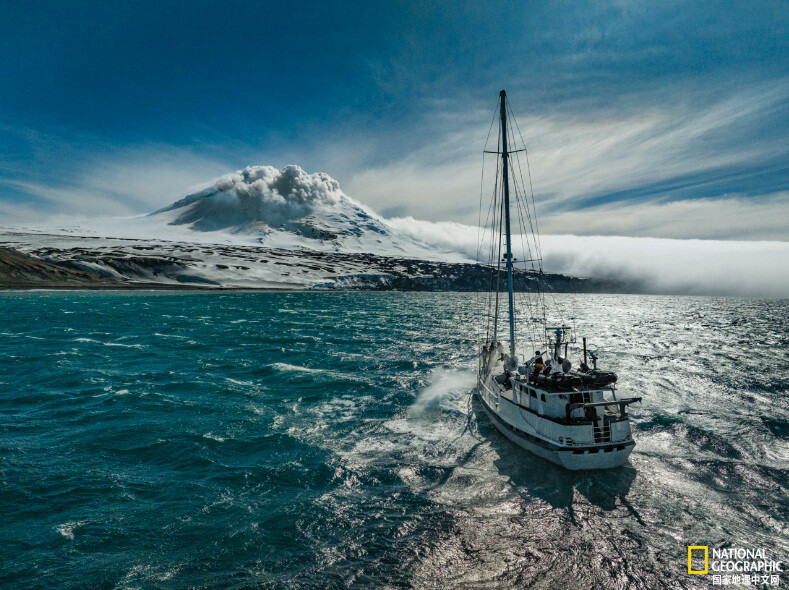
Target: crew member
(538, 366)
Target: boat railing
(620, 403)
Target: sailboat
(537, 400)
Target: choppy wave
(329, 441)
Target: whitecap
(117, 344)
(285, 367)
(67, 529)
(170, 336)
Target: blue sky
(664, 119)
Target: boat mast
(506, 181)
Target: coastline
(260, 269)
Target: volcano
(289, 208)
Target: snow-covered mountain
(266, 228)
(289, 208)
(255, 228)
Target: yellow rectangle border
(706, 559)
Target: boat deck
(609, 414)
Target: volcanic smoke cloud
(255, 195)
(291, 208)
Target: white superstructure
(570, 417)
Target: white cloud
(578, 156)
(116, 182)
(698, 267)
(736, 217)
(575, 155)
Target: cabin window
(542, 397)
(533, 393)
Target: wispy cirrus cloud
(86, 176)
(619, 101)
(584, 163)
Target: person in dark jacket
(538, 365)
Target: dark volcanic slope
(19, 270)
(139, 264)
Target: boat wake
(389, 479)
(445, 386)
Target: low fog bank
(658, 265)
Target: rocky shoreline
(136, 265)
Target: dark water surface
(296, 440)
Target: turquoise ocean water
(303, 440)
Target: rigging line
(519, 209)
(532, 218)
(537, 240)
(498, 268)
(490, 127)
(481, 192)
(493, 277)
(533, 312)
(479, 224)
(525, 297)
(521, 203)
(482, 181)
(516, 160)
(491, 211)
(506, 133)
(487, 218)
(535, 234)
(492, 249)
(480, 232)
(524, 244)
(531, 186)
(520, 173)
(498, 255)
(538, 243)
(480, 227)
(533, 204)
(492, 270)
(526, 248)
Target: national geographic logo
(703, 552)
(735, 565)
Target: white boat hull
(572, 458)
(539, 403)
